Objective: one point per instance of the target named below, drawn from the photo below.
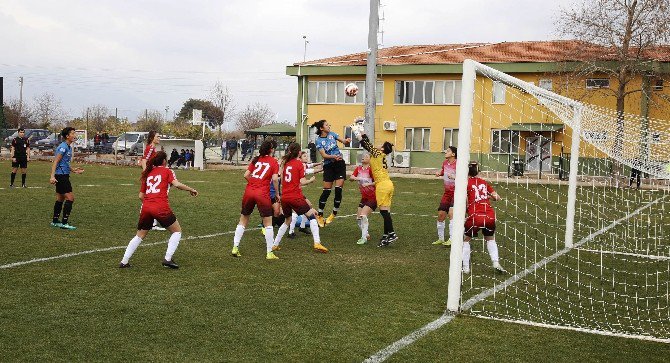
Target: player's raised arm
(365, 141)
(177, 184)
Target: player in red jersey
(292, 199)
(368, 203)
(153, 140)
(310, 168)
(448, 173)
(481, 215)
(262, 169)
(156, 181)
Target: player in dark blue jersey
(334, 168)
(60, 177)
(19, 152)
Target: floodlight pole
(371, 71)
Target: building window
(417, 139)
(595, 83)
(658, 85)
(450, 138)
(428, 92)
(546, 84)
(504, 142)
(333, 92)
(499, 90)
(354, 141)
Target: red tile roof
(505, 52)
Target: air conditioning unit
(390, 125)
(346, 155)
(401, 159)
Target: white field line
(74, 254)
(608, 252)
(583, 330)
(409, 339)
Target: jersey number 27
(261, 168)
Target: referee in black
(20, 154)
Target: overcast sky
(136, 55)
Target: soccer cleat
(321, 221)
(24, 186)
(291, 235)
(170, 264)
(447, 243)
(11, 186)
(498, 268)
(157, 228)
(362, 241)
(382, 241)
(438, 242)
(56, 224)
(236, 252)
(318, 247)
(67, 226)
(330, 219)
(271, 256)
(466, 270)
(276, 248)
(305, 230)
(124, 265)
(263, 231)
(391, 238)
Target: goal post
(581, 253)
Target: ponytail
(265, 150)
(155, 160)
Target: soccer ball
(351, 89)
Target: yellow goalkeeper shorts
(384, 193)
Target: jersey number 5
(264, 166)
(287, 174)
(152, 184)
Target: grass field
(341, 306)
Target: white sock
(269, 238)
(493, 250)
(294, 218)
(365, 223)
(440, 230)
(451, 228)
(132, 246)
(359, 222)
(466, 255)
(172, 245)
(239, 232)
(280, 233)
(303, 221)
(314, 226)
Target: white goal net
(582, 249)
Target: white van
(130, 142)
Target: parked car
(105, 147)
(48, 143)
(130, 142)
(33, 136)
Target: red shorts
(370, 202)
(475, 222)
(252, 199)
(163, 215)
(447, 200)
(300, 206)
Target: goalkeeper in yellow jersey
(383, 184)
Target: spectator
(105, 138)
(232, 148)
(97, 139)
(182, 158)
(174, 156)
(245, 149)
(312, 151)
(635, 173)
(187, 158)
(223, 149)
(192, 157)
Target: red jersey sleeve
(301, 173)
(355, 173)
(251, 166)
(444, 163)
(143, 186)
(170, 177)
(489, 188)
(274, 167)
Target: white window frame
(406, 85)
(454, 142)
(423, 138)
(501, 86)
(340, 97)
(513, 135)
(595, 86)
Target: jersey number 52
(152, 184)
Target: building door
(538, 151)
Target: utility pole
(20, 98)
(304, 54)
(371, 71)
(167, 108)
(87, 121)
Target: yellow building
(418, 98)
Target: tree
(47, 111)
(150, 120)
(223, 100)
(97, 116)
(13, 118)
(627, 32)
(254, 116)
(209, 111)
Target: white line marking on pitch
(607, 252)
(412, 337)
